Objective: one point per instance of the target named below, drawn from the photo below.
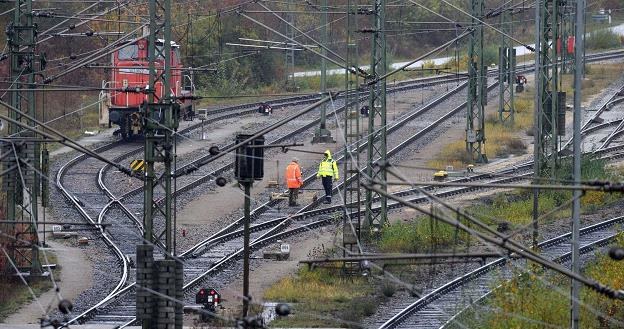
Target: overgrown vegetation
(418, 236)
(603, 39)
(503, 140)
(323, 298)
(14, 294)
(516, 207)
(541, 300)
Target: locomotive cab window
(129, 52)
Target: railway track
(113, 201)
(434, 309)
(437, 308)
(223, 247)
(258, 240)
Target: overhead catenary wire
(67, 141)
(429, 53)
(317, 43)
(353, 70)
(94, 57)
(499, 240)
(532, 49)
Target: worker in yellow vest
(327, 170)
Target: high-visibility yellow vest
(328, 167)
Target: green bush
(603, 39)
(418, 236)
(388, 289)
(360, 307)
(536, 303)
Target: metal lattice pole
(290, 54)
(352, 195)
(22, 183)
(477, 88)
(322, 134)
(160, 115)
(567, 31)
(548, 83)
(506, 69)
(377, 118)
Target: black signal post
(249, 167)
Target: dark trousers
(292, 196)
(327, 185)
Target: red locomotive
(130, 71)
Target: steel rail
(127, 288)
(275, 225)
(393, 151)
(560, 259)
(272, 235)
(105, 236)
(427, 299)
(422, 302)
(194, 164)
(117, 293)
(310, 178)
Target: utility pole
(568, 31)
(545, 146)
(377, 149)
(246, 238)
(352, 195)
(22, 154)
(579, 61)
(547, 86)
(506, 69)
(290, 54)
(160, 119)
(248, 166)
(322, 134)
(477, 87)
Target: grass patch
(418, 236)
(531, 302)
(502, 139)
(517, 207)
(321, 297)
(14, 294)
(603, 39)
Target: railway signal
(207, 297)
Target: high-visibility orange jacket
(293, 175)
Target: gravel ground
(425, 279)
(97, 252)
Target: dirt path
(75, 277)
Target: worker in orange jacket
(293, 181)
